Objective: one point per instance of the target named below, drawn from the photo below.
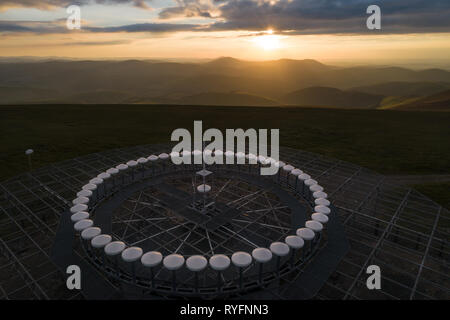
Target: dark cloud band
(48, 4)
(284, 16)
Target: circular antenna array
(111, 181)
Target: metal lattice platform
(392, 226)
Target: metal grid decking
(392, 226)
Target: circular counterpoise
(358, 192)
(169, 226)
(182, 217)
(164, 214)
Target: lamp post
(28, 153)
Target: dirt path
(418, 179)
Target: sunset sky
(246, 29)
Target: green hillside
(386, 141)
(404, 89)
(332, 97)
(226, 99)
(436, 102)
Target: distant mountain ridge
(220, 81)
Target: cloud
(147, 27)
(190, 8)
(283, 16)
(59, 26)
(96, 43)
(316, 16)
(6, 26)
(328, 16)
(37, 27)
(51, 4)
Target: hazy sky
(411, 30)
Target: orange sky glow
(263, 44)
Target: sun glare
(269, 41)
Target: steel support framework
(392, 226)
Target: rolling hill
(224, 99)
(332, 97)
(139, 81)
(436, 102)
(404, 89)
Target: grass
(439, 192)
(390, 142)
(392, 102)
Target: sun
(268, 41)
